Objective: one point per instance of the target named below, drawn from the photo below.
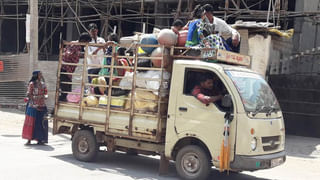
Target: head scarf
(35, 75)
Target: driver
(205, 92)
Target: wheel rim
(190, 164)
(83, 145)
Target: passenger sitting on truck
(204, 92)
(104, 90)
(208, 36)
(192, 26)
(177, 25)
(105, 71)
(99, 90)
(223, 29)
(112, 38)
(122, 61)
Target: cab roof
(217, 65)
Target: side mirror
(227, 101)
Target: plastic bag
(141, 105)
(126, 82)
(74, 98)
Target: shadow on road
(11, 135)
(141, 167)
(64, 136)
(44, 147)
(13, 110)
(304, 147)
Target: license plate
(276, 162)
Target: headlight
(254, 144)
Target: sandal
(40, 143)
(28, 142)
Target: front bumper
(252, 163)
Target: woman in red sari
(35, 127)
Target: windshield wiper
(269, 109)
(272, 109)
(258, 109)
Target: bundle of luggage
(145, 100)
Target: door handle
(183, 109)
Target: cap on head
(92, 26)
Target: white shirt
(224, 29)
(98, 58)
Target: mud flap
(164, 165)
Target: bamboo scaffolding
(132, 11)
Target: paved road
(55, 160)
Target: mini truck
(248, 121)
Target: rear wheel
(84, 146)
(192, 163)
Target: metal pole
(269, 10)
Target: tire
(196, 157)
(84, 146)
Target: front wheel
(84, 146)
(192, 163)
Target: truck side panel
(143, 126)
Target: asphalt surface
(55, 161)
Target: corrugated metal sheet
(13, 78)
(15, 68)
(12, 93)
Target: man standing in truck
(95, 53)
(205, 91)
(72, 53)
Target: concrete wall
(299, 99)
(280, 48)
(13, 89)
(266, 50)
(307, 33)
(259, 50)
(295, 79)
(49, 71)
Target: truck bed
(129, 122)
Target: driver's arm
(196, 92)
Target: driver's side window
(194, 77)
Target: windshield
(255, 93)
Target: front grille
(270, 148)
(270, 143)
